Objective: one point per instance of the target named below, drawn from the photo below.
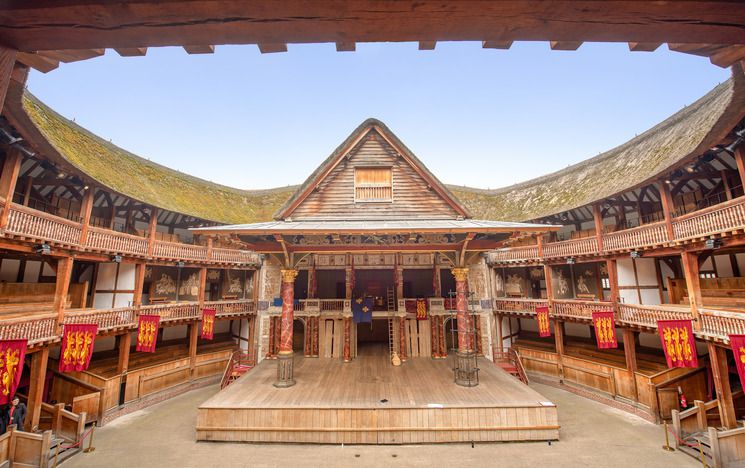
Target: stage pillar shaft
(284, 361)
(466, 372)
(347, 339)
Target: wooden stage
(368, 401)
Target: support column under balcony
(693, 284)
(720, 374)
(8, 180)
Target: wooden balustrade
(648, 315)
(106, 319)
(236, 308)
(27, 222)
(174, 312)
(635, 238)
(36, 329)
(104, 240)
(579, 309)
(570, 248)
(44, 227)
(724, 217)
(178, 251)
(720, 324)
(520, 306)
(513, 254)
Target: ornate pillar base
(466, 370)
(285, 370)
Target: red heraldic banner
(737, 342)
(678, 342)
(12, 354)
(421, 309)
(605, 329)
(544, 328)
(147, 333)
(208, 324)
(77, 346)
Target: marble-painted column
(466, 372)
(402, 339)
(347, 353)
(285, 357)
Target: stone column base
(284, 370)
(466, 370)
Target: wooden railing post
(202, 286)
(629, 350)
(86, 208)
(39, 361)
(739, 155)
(612, 267)
(152, 228)
(8, 180)
(720, 374)
(139, 285)
(209, 248)
(668, 208)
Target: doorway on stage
(372, 338)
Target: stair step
(693, 452)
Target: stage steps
(240, 363)
(509, 360)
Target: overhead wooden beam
(7, 60)
(345, 47)
(496, 44)
(427, 45)
(272, 48)
(38, 62)
(565, 45)
(727, 56)
(72, 55)
(644, 46)
(199, 49)
(131, 51)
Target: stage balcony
(31, 225)
(719, 220)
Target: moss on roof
(147, 181)
(684, 135)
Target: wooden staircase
(509, 360)
(240, 362)
(691, 447)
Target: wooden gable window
(373, 184)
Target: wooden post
(539, 242)
(209, 248)
(739, 159)
(499, 337)
(720, 372)
(36, 386)
(612, 267)
(598, 218)
(64, 273)
(193, 337)
(7, 60)
(668, 208)
(559, 340)
(139, 284)
(86, 208)
(8, 180)
(202, 286)
(152, 228)
(725, 184)
(693, 283)
(27, 190)
(549, 287)
(125, 342)
(629, 350)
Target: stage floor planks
(368, 401)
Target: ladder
(391, 307)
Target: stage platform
(368, 401)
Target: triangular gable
(329, 192)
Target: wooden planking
(412, 197)
(427, 45)
(565, 45)
(38, 62)
(272, 48)
(644, 46)
(68, 56)
(496, 44)
(334, 402)
(345, 47)
(131, 51)
(200, 49)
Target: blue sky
(477, 117)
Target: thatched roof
(64, 141)
(683, 136)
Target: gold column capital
(288, 276)
(461, 274)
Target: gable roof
(348, 145)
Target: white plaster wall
(645, 271)
(629, 296)
(47, 271)
(31, 272)
(650, 296)
(741, 262)
(650, 340)
(575, 329)
(529, 325)
(106, 276)
(103, 300)
(126, 276)
(104, 343)
(626, 272)
(724, 266)
(175, 333)
(9, 270)
(707, 265)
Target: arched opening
(451, 334)
(298, 337)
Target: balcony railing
(36, 330)
(36, 225)
(718, 219)
(106, 319)
(579, 309)
(720, 324)
(519, 306)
